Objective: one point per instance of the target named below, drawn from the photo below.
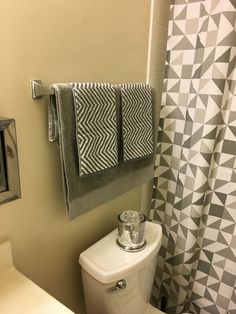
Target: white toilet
(120, 282)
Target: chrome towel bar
(38, 89)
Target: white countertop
(20, 295)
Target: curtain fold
(194, 194)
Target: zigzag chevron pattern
(136, 102)
(95, 108)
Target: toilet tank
(116, 281)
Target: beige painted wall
(57, 41)
(158, 34)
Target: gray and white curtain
(195, 171)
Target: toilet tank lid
(107, 262)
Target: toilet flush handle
(120, 285)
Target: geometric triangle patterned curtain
(195, 170)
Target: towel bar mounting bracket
(38, 90)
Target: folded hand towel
(96, 126)
(137, 120)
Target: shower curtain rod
(38, 89)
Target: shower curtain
(194, 193)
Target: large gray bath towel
(84, 193)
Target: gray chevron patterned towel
(84, 193)
(137, 120)
(96, 126)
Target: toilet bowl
(120, 282)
